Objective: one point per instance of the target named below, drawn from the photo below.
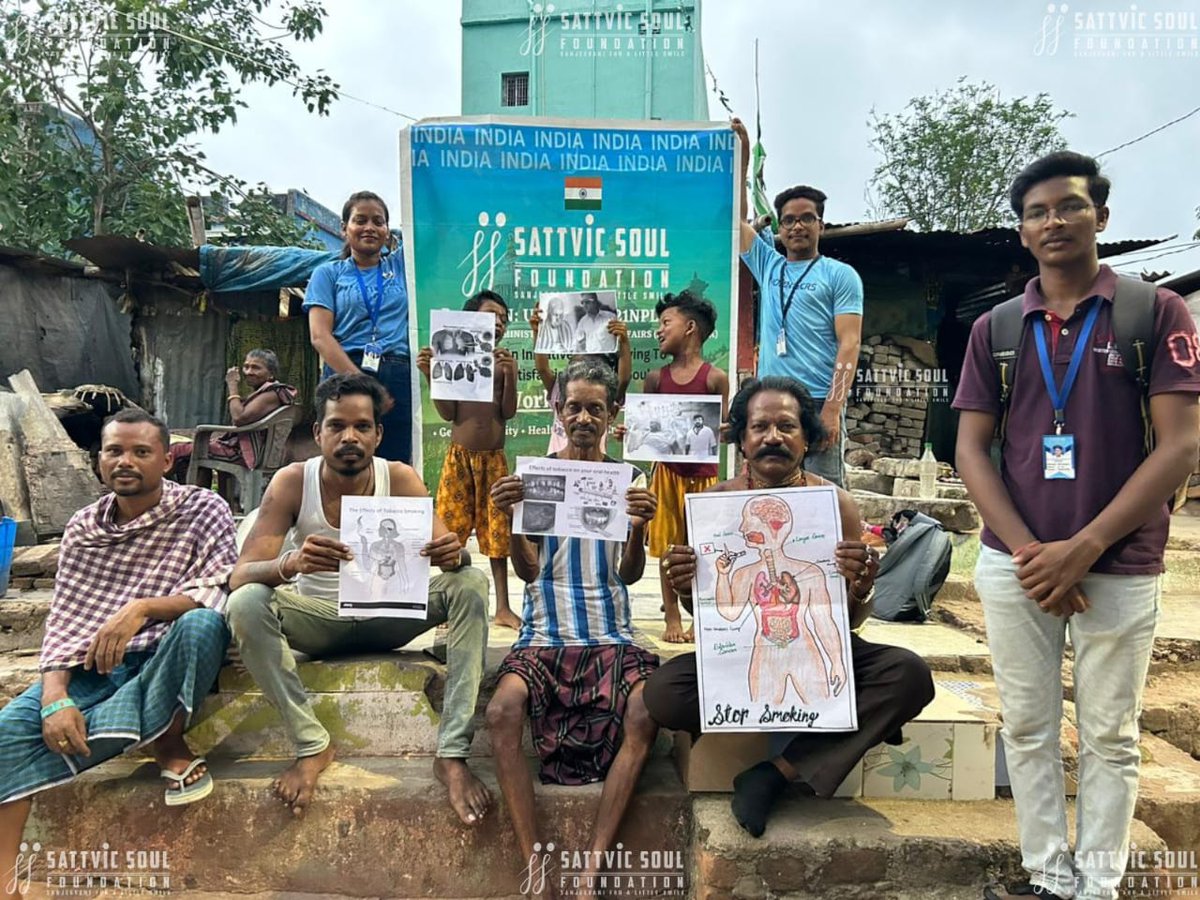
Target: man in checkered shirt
(135, 636)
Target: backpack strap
(1133, 330)
(1006, 326)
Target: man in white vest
(289, 602)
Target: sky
(823, 68)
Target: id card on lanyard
(786, 305)
(373, 351)
(1058, 449)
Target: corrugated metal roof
(29, 259)
(115, 251)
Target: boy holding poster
(475, 459)
(685, 322)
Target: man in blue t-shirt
(810, 311)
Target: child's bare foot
(674, 632)
(689, 636)
(469, 796)
(295, 787)
(506, 618)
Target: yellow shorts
(464, 498)
(668, 525)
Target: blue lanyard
(1059, 397)
(372, 311)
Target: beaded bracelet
(64, 703)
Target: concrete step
(943, 647)
(1171, 708)
(378, 828)
(857, 849)
(384, 705)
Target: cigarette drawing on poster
(388, 575)
(772, 623)
(673, 427)
(577, 323)
(463, 365)
(570, 498)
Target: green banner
(531, 206)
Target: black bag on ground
(914, 568)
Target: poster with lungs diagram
(772, 622)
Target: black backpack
(1133, 330)
(914, 568)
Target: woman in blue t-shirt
(358, 315)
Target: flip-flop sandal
(187, 793)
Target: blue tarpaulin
(225, 269)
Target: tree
(949, 158)
(102, 101)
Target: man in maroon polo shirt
(1080, 554)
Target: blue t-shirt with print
(335, 287)
(830, 289)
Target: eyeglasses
(805, 219)
(1068, 211)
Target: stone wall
(897, 377)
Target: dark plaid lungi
(577, 698)
(125, 709)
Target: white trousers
(1112, 642)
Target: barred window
(514, 89)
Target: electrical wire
(1149, 133)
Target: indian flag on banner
(581, 193)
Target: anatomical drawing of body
(385, 561)
(797, 639)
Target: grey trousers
(268, 623)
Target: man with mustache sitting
(773, 422)
(270, 616)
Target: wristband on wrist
(51, 709)
(232, 397)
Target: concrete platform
(843, 849)
(378, 828)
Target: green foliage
(949, 158)
(101, 103)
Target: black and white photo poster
(673, 427)
(463, 365)
(569, 498)
(577, 323)
(388, 575)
